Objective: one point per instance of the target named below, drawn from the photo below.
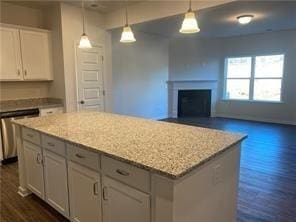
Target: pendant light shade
(190, 24)
(84, 42)
(127, 35)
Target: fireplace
(194, 103)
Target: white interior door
(90, 84)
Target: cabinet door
(36, 55)
(85, 194)
(123, 203)
(10, 54)
(34, 168)
(56, 183)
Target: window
(257, 78)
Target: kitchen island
(93, 166)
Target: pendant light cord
(83, 17)
(126, 14)
(190, 9)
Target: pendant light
(127, 35)
(84, 42)
(190, 24)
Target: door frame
(76, 73)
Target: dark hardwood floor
(267, 188)
(14, 208)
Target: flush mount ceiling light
(84, 42)
(190, 24)
(127, 35)
(245, 19)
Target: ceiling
(97, 5)
(103, 6)
(220, 21)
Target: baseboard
(252, 118)
(23, 192)
(159, 117)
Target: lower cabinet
(85, 194)
(34, 168)
(122, 203)
(56, 185)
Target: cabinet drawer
(50, 111)
(55, 145)
(31, 135)
(83, 157)
(126, 173)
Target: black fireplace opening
(194, 103)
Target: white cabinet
(85, 194)
(51, 111)
(56, 183)
(26, 54)
(34, 168)
(36, 55)
(10, 56)
(123, 203)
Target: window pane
(267, 89)
(239, 67)
(237, 89)
(269, 66)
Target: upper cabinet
(11, 63)
(25, 55)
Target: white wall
(194, 59)
(140, 72)
(71, 32)
(19, 15)
(204, 59)
(52, 21)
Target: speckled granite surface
(22, 104)
(166, 148)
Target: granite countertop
(23, 104)
(169, 149)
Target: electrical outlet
(217, 175)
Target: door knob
(81, 102)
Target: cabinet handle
(38, 159)
(105, 193)
(30, 135)
(122, 172)
(79, 156)
(95, 188)
(50, 144)
(25, 72)
(18, 72)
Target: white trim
(24, 27)
(252, 118)
(175, 86)
(23, 192)
(160, 117)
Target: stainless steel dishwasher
(8, 143)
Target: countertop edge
(139, 165)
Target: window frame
(252, 79)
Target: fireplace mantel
(175, 85)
